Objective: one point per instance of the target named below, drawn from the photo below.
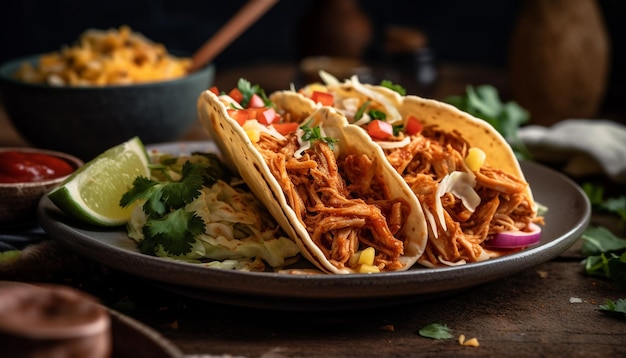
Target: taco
(326, 183)
(473, 193)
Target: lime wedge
(92, 193)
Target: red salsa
(22, 167)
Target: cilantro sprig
(248, 90)
(312, 134)
(436, 331)
(168, 225)
(394, 87)
(612, 205)
(605, 252)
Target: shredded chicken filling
(504, 204)
(344, 203)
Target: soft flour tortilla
(241, 153)
(476, 131)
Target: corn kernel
(475, 158)
(461, 339)
(365, 268)
(367, 256)
(254, 135)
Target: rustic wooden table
(550, 310)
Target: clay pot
(559, 59)
(52, 321)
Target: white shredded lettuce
(394, 144)
(461, 185)
(328, 79)
(237, 234)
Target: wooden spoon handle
(243, 19)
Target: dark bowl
(85, 121)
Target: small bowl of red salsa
(26, 174)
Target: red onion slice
(515, 239)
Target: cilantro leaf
(174, 232)
(436, 331)
(394, 87)
(618, 306)
(215, 169)
(187, 189)
(614, 205)
(248, 90)
(142, 189)
(598, 240)
(168, 225)
(312, 134)
(607, 254)
(376, 114)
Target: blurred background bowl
(85, 121)
(18, 201)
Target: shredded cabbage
(237, 234)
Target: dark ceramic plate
(568, 216)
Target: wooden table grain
(551, 310)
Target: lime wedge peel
(92, 194)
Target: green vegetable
(618, 307)
(614, 205)
(606, 254)
(361, 110)
(315, 133)
(247, 90)
(436, 331)
(168, 225)
(393, 87)
(376, 114)
(484, 102)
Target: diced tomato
(240, 115)
(214, 90)
(236, 94)
(256, 101)
(285, 128)
(252, 112)
(266, 116)
(378, 129)
(413, 125)
(325, 98)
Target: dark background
(459, 31)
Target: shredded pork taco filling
(464, 207)
(344, 203)
(457, 231)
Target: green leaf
(618, 306)
(142, 189)
(175, 232)
(436, 331)
(361, 110)
(599, 240)
(376, 114)
(312, 134)
(394, 87)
